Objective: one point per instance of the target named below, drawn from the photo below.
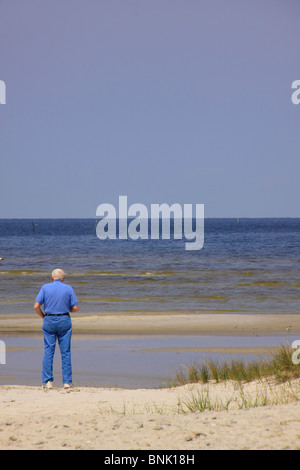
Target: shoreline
(161, 323)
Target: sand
(116, 419)
(162, 323)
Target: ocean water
(245, 265)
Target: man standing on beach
(58, 299)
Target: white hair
(58, 275)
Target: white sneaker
(68, 386)
(48, 385)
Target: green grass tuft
(278, 365)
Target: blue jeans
(57, 328)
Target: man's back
(57, 297)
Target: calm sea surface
(246, 265)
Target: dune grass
(278, 365)
(264, 393)
(275, 382)
(278, 368)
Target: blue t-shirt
(57, 297)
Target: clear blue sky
(185, 101)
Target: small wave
(27, 272)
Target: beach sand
(116, 419)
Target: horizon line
(132, 217)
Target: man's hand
(38, 310)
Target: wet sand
(156, 323)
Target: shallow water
(123, 361)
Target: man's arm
(73, 301)
(38, 310)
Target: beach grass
(264, 393)
(278, 365)
(273, 380)
(276, 380)
(223, 396)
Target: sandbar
(165, 323)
